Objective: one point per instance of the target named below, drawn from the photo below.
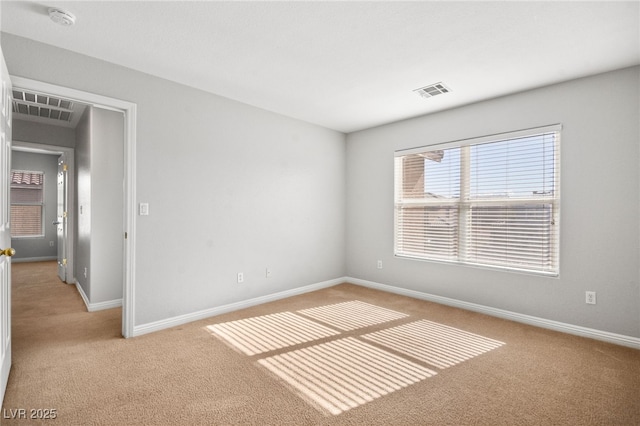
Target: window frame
(463, 204)
(40, 204)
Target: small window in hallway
(27, 204)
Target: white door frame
(129, 109)
(63, 216)
(38, 148)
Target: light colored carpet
(385, 360)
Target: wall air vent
(432, 90)
(42, 106)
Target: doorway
(57, 236)
(128, 217)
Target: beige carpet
(344, 355)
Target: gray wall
(107, 203)
(39, 248)
(600, 235)
(99, 197)
(82, 255)
(29, 131)
(231, 188)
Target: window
(27, 204)
(491, 201)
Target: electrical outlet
(240, 277)
(379, 264)
(50, 243)
(590, 297)
(267, 273)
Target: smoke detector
(62, 17)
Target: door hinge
(64, 261)
(125, 235)
(64, 167)
(64, 214)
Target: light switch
(144, 209)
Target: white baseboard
(206, 313)
(33, 259)
(92, 307)
(618, 339)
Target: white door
(61, 217)
(5, 231)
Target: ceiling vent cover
(432, 90)
(42, 106)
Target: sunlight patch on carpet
(257, 335)
(433, 343)
(352, 315)
(343, 374)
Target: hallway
(51, 327)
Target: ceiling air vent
(42, 106)
(432, 90)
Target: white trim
(183, 319)
(109, 304)
(130, 111)
(129, 250)
(92, 307)
(40, 148)
(618, 339)
(34, 259)
(82, 294)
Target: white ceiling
(346, 65)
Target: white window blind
(491, 201)
(27, 203)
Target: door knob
(7, 252)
